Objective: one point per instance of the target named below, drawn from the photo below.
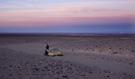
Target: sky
(67, 16)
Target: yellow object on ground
(55, 52)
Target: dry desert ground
(84, 58)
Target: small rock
(65, 76)
(132, 50)
(110, 48)
(35, 69)
(90, 72)
(107, 76)
(11, 74)
(130, 63)
(115, 53)
(10, 66)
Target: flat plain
(89, 57)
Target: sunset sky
(67, 16)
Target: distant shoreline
(68, 34)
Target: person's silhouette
(46, 49)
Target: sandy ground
(84, 58)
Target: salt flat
(84, 58)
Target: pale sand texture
(84, 58)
